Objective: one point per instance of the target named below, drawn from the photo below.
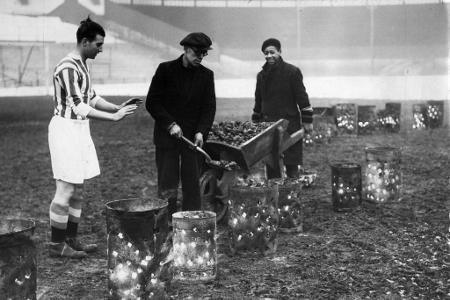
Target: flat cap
(271, 42)
(198, 40)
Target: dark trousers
(293, 156)
(173, 163)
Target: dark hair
(89, 29)
(271, 42)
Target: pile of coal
(236, 133)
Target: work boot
(64, 250)
(79, 246)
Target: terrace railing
(274, 3)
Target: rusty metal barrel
(367, 119)
(138, 248)
(253, 218)
(382, 174)
(290, 207)
(435, 114)
(392, 117)
(346, 118)
(194, 246)
(17, 259)
(345, 185)
(324, 126)
(420, 116)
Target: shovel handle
(196, 148)
(187, 141)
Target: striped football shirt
(74, 96)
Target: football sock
(59, 216)
(74, 217)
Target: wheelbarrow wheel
(211, 195)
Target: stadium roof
(42, 29)
(276, 3)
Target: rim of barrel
(308, 172)
(183, 215)
(246, 188)
(379, 149)
(110, 204)
(31, 225)
(286, 182)
(267, 184)
(435, 102)
(345, 164)
(345, 104)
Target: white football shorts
(72, 150)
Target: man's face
(194, 56)
(91, 49)
(272, 54)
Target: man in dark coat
(182, 101)
(281, 94)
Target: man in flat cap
(281, 94)
(182, 101)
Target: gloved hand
(256, 117)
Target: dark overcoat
(188, 99)
(281, 94)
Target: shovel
(224, 165)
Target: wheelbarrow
(266, 147)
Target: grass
(393, 251)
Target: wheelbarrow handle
(298, 134)
(294, 138)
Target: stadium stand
(29, 7)
(388, 38)
(31, 46)
(372, 43)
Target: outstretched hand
(125, 111)
(131, 101)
